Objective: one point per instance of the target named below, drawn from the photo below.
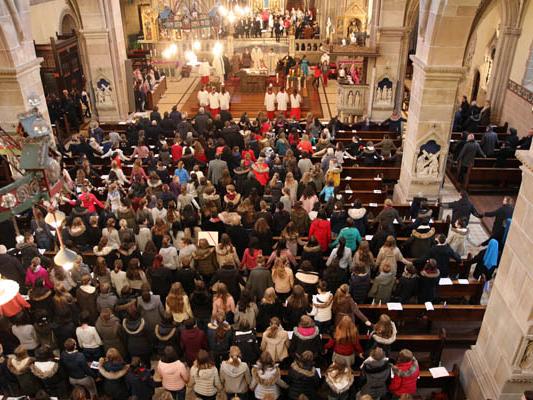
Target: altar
(253, 80)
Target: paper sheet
(463, 281)
(429, 306)
(319, 373)
(348, 178)
(372, 204)
(369, 237)
(42, 251)
(395, 306)
(290, 333)
(445, 281)
(377, 191)
(377, 178)
(348, 191)
(439, 372)
(94, 365)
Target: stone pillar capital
(511, 31)
(394, 31)
(438, 72)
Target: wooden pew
(345, 141)
(473, 291)
(153, 96)
(385, 172)
(361, 184)
(446, 314)
(365, 196)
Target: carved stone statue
(527, 358)
(427, 164)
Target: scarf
(490, 259)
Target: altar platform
(252, 103)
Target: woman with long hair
(345, 342)
(309, 198)
(275, 341)
(281, 251)
(226, 252)
(390, 254)
(223, 302)
(219, 337)
(339, 378)
(384, 333)
(363, 257)
(297, 305)
(343, 304)
(113, 369)
(159, 231)
(249, 258)
(264, 235)
(235, 375)
(204, 379)
(292, 185)
(246, 310)
(268, 307)
(283, 278)
(266, 378)
(177, 303)
(292, 237)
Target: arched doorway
(68, 24)
(475, 85)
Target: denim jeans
(179, 394)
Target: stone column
(388, 65)
(433, 98)
(389, 36)
(442, 34)
(104, 54)
(501, 70)
(500, 365)
(19, 67)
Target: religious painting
(149, 22)
(428, 160)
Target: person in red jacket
(406, 373)
(192, 340)
(88, 200)
(345, 342)
(321, 229)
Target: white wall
(46, 19)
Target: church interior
(266, 199)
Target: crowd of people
(219, 262)
(276, 24)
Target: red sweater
(321, 230)
(89, 201)
(250, 260)
(405, 377)
(344, 349)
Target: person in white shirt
(282, 98)
(296, 101)
(270, 103)
(159, 211)
(214, 102)
(224, 98)
(88, 338)
(203, 97)
(169, 254)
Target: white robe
(270, 101)
(257, 57)
(282, 98)
(214, 100)
(224, 99)
(271, 62)
(203, 98)
(295, 100)
(218, 64)
(204, 69)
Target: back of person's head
(169, 355)
(44, 353)
(441, 239)
(265, 360)
(190, 323)
(405, 355)
(306, 322)
(79, 393)
(377, 353)
(70, 344)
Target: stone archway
(68, 24)
(103, 53)
(438, 67)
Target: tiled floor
(178, 91)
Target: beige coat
(277, 346)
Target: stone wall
(518, 112)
